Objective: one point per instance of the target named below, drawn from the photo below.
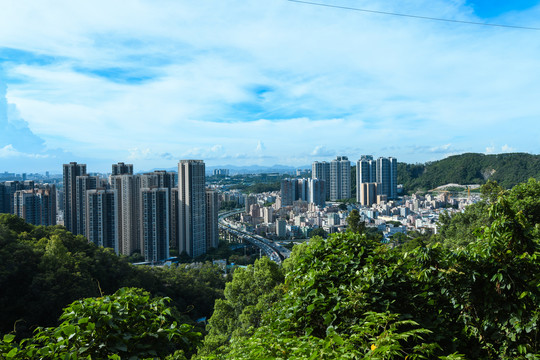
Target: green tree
(355, 223)
(351, 297)
(319, 232)
(247, 296)
(128, 324)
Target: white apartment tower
(128, 189)
(340, 178)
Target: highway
(274, 251)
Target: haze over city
(264, 82)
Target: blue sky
(263, 82)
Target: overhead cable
(414, 16)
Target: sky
(253, 82)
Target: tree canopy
(352, 297)
(506, 169)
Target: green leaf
(8, 338)
(12, 353)
(69, 329)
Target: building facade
(155, 223)
(70, 173)
(122, 169)
(101, 225)
(321, 171)
(191, 207)
(340, 178)
(212, 231)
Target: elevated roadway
(274, 251)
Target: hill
(470, 168)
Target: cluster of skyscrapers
(147, 213)
(36, 203)
(376, 180)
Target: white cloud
(321, 150)
(506, 148)
(490, 149)
(439, 149)
(9, 151)
(174, 79)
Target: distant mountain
(470, 168)
(258, 169)
(247, 169)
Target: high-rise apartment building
(47, 198)
(289, 189)
(316, 192)
(7, 192)
(122, 169)
(212, 231)
(70, 173)
(27, 206)
(192, 207)
(166, 180)
(36, 206)
(393, 178)
(321, 171)
(366, 172)
(83, 183)
(340, 178)
(155, 223)
(128, 208)
(380, 174)
(101, 223)
(302, 190)
(387, 177)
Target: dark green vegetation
(243, 255)
(350, 297)
(126, 325)
(507, 169)
(470, 292)
(228, 205)
(43, 269)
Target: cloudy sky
(264, 81)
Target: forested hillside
(43, 269)
(470, 292)
(507, 169)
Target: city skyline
(264, 83)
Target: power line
(413, 16)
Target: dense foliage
(351, 297)
(506, 169)
(43, 269)
(128, 324)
